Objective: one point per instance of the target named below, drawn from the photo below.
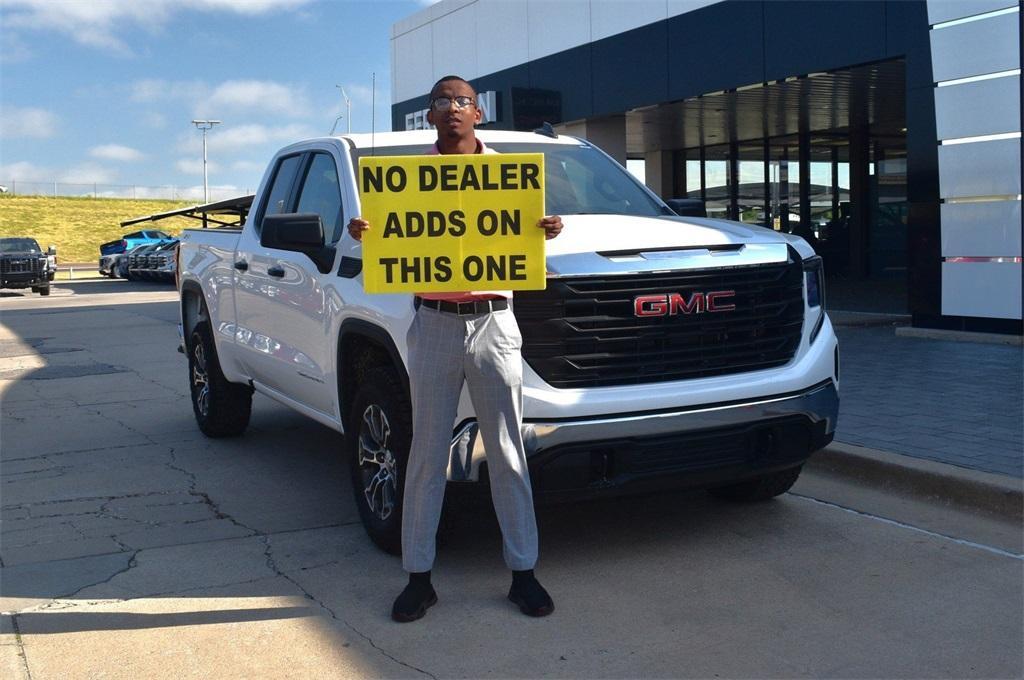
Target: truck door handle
(276, 271)
(242, 265)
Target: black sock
(419, 578)
(520, 577)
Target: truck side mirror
(299, 233)
(687, 207)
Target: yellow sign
(452, 223)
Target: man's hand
(357, 225)
(552, 226)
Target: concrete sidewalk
(958, 403)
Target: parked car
(23, 264)
(156, 263)
(633, 377)
(110, 251)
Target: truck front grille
(583, 332)
(22, 265)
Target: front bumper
(738, 439)
(23, 280)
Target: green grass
(77, 225)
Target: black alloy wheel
(378, 435)
(222, 408)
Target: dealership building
(887, 133)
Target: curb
(948, 484)
(960, 336)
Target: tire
(222, 408)
(378, 435)
(45, 290)
(759, 489)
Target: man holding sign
(460, 335)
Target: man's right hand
(356, 227)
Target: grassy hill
(78, 225)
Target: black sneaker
(530, 596)
(413, 603)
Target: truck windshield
(578, 179)
(19, 245)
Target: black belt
(463, 308)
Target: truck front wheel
(222, 408)
(44, 290)
(378, 435)
(760, 488)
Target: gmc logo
(670, 304)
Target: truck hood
(609, 244)
(23, 254)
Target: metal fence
(133, 191)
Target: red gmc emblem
(670, 304)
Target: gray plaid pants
(483, 351)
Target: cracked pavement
(132, 546)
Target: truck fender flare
(193, 306)
(374, 335)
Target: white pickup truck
(665, 351)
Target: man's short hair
(445, 79)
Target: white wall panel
(502, 39)
(413, 64)
(557, 26)
(976, 48)
(984, 107)
(676, 7)
(985, 289)
(948, 10)
(609, 17)
(454, 41)
(987, 229)
(980, 169)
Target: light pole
(348, 111)
(205, 125)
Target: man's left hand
(552, 226)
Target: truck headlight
(814, 281)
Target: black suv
(23, 265)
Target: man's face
(454, 122)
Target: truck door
(282, 316)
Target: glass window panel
(716, 181)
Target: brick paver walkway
(953, 402)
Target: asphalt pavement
(132, 546)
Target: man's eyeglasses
(441, 104)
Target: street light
(348, 111)
(205, 125)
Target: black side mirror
(300, 233)
(687, 207)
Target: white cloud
(194, 166)
(87, 173)
(207, 100)
(231, 138)
(249, 166)
(82, 173)
(23, 171)
(256, 95)
(101, 24)
(116, 152)
(19, 122)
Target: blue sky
(103, 91)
